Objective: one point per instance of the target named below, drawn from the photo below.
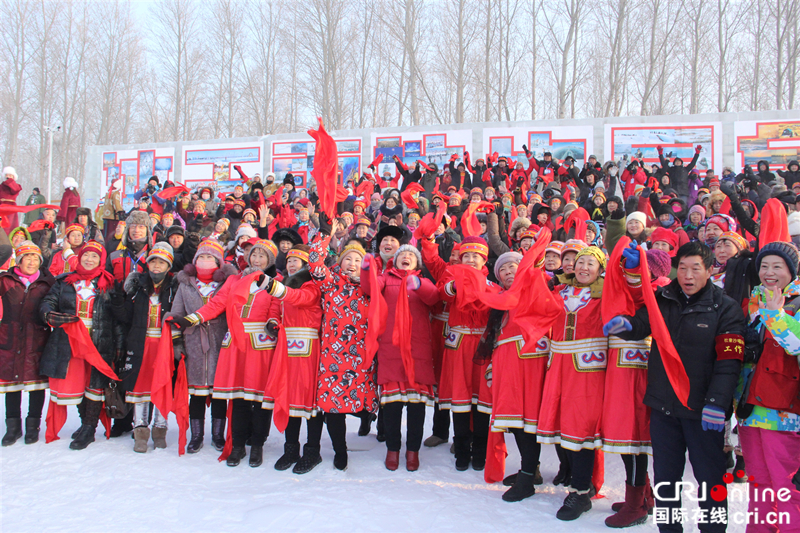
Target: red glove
(660, 149)
(453, 157)
(487, 177)
(697, 149)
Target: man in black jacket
(707, 330)
(679, 174)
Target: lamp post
(50, 132)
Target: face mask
(612, 171)
(157, 278)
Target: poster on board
(296, 156)
(775, 141)
(624, 142)
(427, 146)
(135, 167)
(212, 165)
(561, 141)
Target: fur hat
(10, 170)
(785, 250)
(409, 248)
(391, 231)
(519, 223)
(508, 257)
(175, 230)
(70, 183)
(287, 234)
(161, 250)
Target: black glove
(177, 348)
(324, 224)
(181, 323)
(520, 181)
(646, 192)
(272, 330)
(618, 214)
(59, 319)
(726, 188)
(527, 152)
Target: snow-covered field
(108, 487)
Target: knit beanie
(245, 230)
(409, 248)
(27, 247)
(637, 215)
(266, 245)
(161, 250)
(659, 263)
(475, 244)
(211, 247)
(785, 250)
(697, 209)
(595, 252)
(724, 222)
(508, 257)
(352, 247)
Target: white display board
(774, 141)
(560, 141)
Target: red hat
(668, 236)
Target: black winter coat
(133, 315)
(694, 327)
(790, 177)
(679, 175)
(106, 333)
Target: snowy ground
(108, 487)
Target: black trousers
(415, 424)
(197, 407)
(441, 422)
(581, 465)
(337, 429)
(473, 425)
(635, 469)
(249, 419)
(14, 404)
(529, 450)
(671, 438)
(314, 430)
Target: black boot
(537, 477)
(463, 453)
(574, 505)
(218, 433)
(256, 456)
(32, 429)
(366, 423)
(237, 454)
(340, 460)
(122, 426)
(198, 429)
(729, 463)
(81, 411)
(564, 475)
(310, 459)
(84, 437)
(522, 488)
(291, 454)
(13, 431)
(91, 416)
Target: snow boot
(13, 431)
(522, 488)
(160, 437)
(478, 457)
(563, 477)
(412, 461)
(237, 454)
(462, 452)
(198, 431)
(340, 461)
(392, 460)
(218, 433)
(509, 480)
(32, 429)
(308, 461)
(633, 511)
(574, 506)
(81, 412)
(256, 456)
(84, 437)
(434, 441)
(122, 426)
(739, 466)
(291, 454)
(366, 423)
(140, 437)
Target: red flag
(7, 210)
(401, 335)
(427, 226)
(326, 169)
(56, 416)
(469, 221)
(365, 188)
(161, 386)
(376, 316)
(673, 365)
(577, 219)
(774, 223)
(407, 197)
(376, 161)
(496, 454)
(622, 303)
(172, 192)
(226, 451)
(278, 382)
(82, 347)
(106, 421)
(180, 405)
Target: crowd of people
(637, 309)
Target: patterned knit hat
(161, 250)
(785, 250)
(211, 247)
(266, 245)
(250, 212)
(27, 247)
(475, 244)
(555, 246)
(74, 227)
(595, 252)
(299, 251)
(724, 222)
(573, 245)
(736, 239)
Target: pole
(49, 164)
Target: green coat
(31, 216)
